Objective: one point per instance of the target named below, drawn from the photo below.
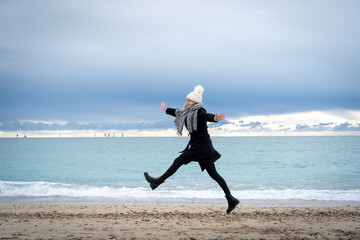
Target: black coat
(200, 148)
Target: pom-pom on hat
(196, 95)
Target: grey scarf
(190, 114)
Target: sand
(97, 221)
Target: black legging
(210, 168)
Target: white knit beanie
(196, 95)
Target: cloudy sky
(270, 66)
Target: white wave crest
(44, 189)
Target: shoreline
(150, 221)
(174, 201)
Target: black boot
(154, 182)
(232, 203)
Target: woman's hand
(163, 106)
(219, 117)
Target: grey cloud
(302, 127)
(347, 127)
(218, 124)
(240, 126)
(252, 125)
(343, 127)
(315, 127)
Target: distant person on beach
(199, 148)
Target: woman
(199, 148)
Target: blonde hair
(191, 104)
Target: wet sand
(119, 221)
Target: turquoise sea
(258, 170)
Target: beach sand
(98, 221)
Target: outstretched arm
(215, 118)
(170, 111)
(209, 117)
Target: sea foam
(45, 189)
